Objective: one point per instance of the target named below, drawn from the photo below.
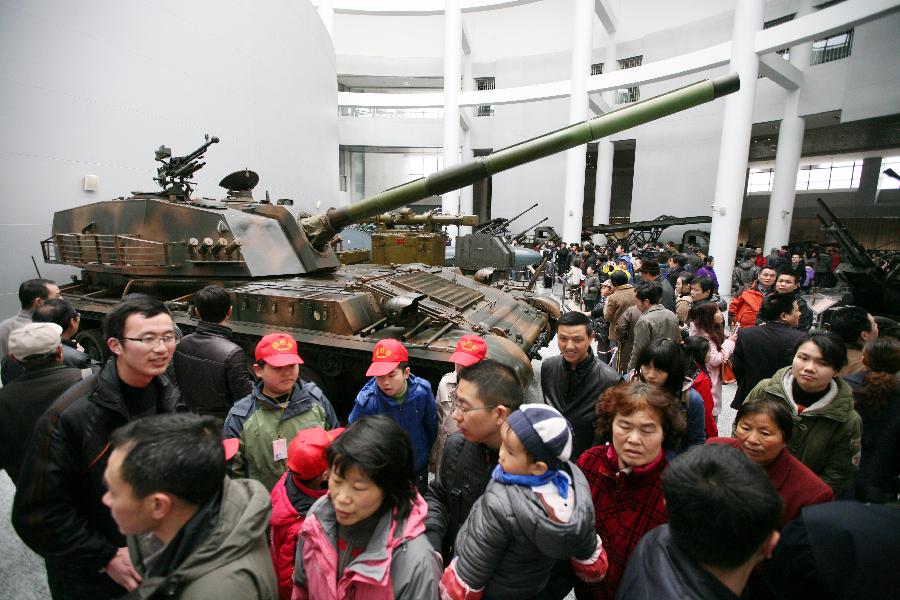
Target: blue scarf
(551, 475)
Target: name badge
(279, 449)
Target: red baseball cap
(306, 453)
(470, 349)
(386, 356)
(278, 349)
(231, 446)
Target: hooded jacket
(289, 508)
(58, 511)
(505, 544)
(827, 435)
(231, 562)
(745, 307)
(397, 563)
(257, 420)
(744, 274)
(417, 414)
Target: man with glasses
(487, 392)
(58, 510)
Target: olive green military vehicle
(283, 273)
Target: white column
(465, 194)
(734, 146)
(787, 156)
(326, 13)
(573, 201)
(452, 73)
(605, 149)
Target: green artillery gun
(283, 274)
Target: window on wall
(842, 175)
(597, 69)
(484, 83)
(886, 182)
(632, 94)
(834, 47)
(422, 165)
(784, 53)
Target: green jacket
(827, 434)
(232, 562)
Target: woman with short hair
(827, 439)
(763, 431)
(624, 475)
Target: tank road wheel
(94, 345)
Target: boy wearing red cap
(470, 349)
(396, 393)
(279, 405)
(293, 495)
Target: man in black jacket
(695, 556)
(762, 350)
(486, 394)
(572, 381)
(38, 348)
(58, 510)
(211, 369)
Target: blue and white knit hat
(544, 432)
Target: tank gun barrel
(321, 228)
(426, 219)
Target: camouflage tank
(283, 273)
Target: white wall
(96, 86)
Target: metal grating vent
(438, 289)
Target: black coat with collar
(57, 510)
(759, 352)
(574, 393)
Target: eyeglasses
(153, 340)
(468, 410)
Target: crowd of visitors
(177, 469)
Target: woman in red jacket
(763, 432)
(625, 475)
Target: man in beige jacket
(618, 302)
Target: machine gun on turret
(523, 235)
(874, 288)
(499, 226)
(639, 233)
(174, 174)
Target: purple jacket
(708, 272)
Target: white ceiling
(535, 28)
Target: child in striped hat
(536, 507)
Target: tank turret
(283, 273)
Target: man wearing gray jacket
(655, 324)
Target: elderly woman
(625, 475)
(763, 432)
(827, 439)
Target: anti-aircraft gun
(639, 233)
(872, 287)
(282, 273)
(490, 253)
(174, 173)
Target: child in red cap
(395, 392)
(293, 495)
(470, 349)
(279, 405)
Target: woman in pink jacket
(707, 320)
(366, 538)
